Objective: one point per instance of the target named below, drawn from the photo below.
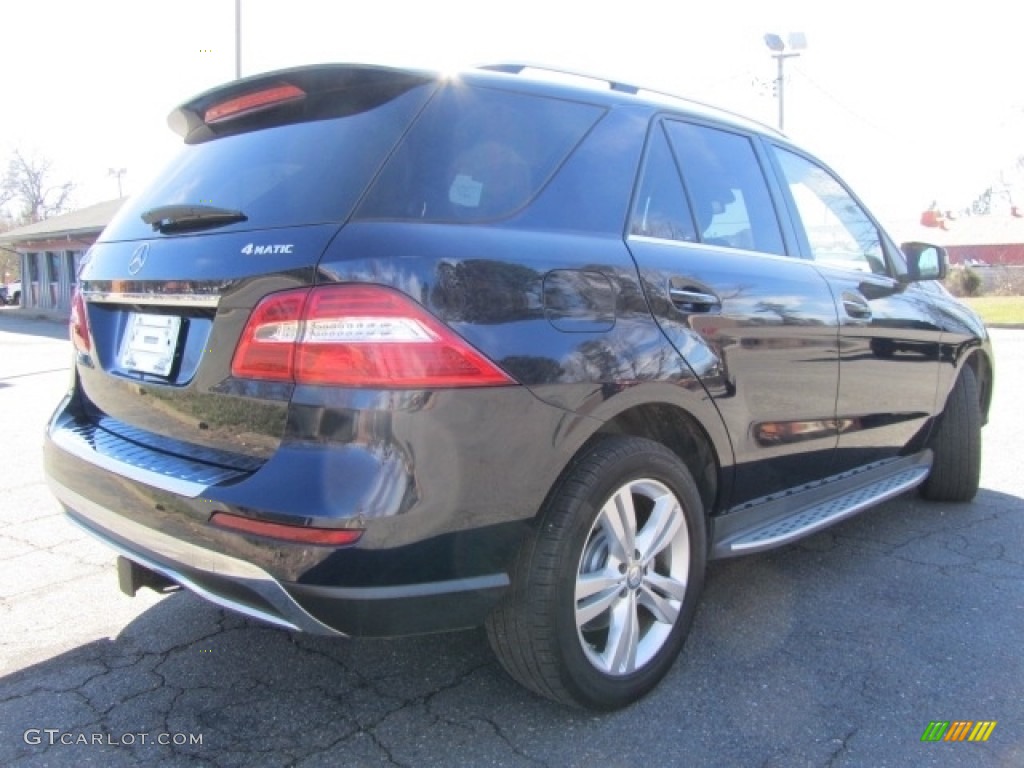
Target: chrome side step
(786, 517)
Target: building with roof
(995, 239)
(51, 252)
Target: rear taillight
(79, 324)
(267, 98)
(357, 336)
(267, 347)
(335, 537)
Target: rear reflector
(79, 323)
(357, 336)
(335, 537)
(253, 102)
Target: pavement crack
(841, 749)
(506, 739)
(455, 683)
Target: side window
(727, 188)
(660, 208)
(476, 154)
(838, 230)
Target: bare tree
(6, 195)
(27, 184)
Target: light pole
(118, 172)
(797, 43)
(238, 39)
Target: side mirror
(925, 261)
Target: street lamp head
(774, 43)
(797, 41)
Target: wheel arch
(678, 430)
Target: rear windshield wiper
(176, 218)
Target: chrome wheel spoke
(673, 588)
(596, 593)
(618, 518)
(663, 609)
(661, 527)
(623, 637)
(590, 584)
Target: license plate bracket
(150, 343)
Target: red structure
(993, 239)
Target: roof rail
(517, 67)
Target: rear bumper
(222, 579)
(248, 589)
(442, 511)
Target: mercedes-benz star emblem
(138, 259)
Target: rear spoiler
(289, 95)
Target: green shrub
(963, 281)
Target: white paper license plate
(149, 343)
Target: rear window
(283, 175)
(477, 154)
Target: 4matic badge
(259, 250)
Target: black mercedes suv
(388, 352)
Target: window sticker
(465, 191)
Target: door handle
(856, 306)
(693, 300)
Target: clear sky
(910, 101)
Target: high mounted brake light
(357, 336)
(253, 102)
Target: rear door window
(660, 209)
(477, 154)
(726, 186)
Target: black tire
(956, 443)
(578, 610)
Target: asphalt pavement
(839, 650)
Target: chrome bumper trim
(201, 300)
(159, 552)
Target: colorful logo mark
(958, 730)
